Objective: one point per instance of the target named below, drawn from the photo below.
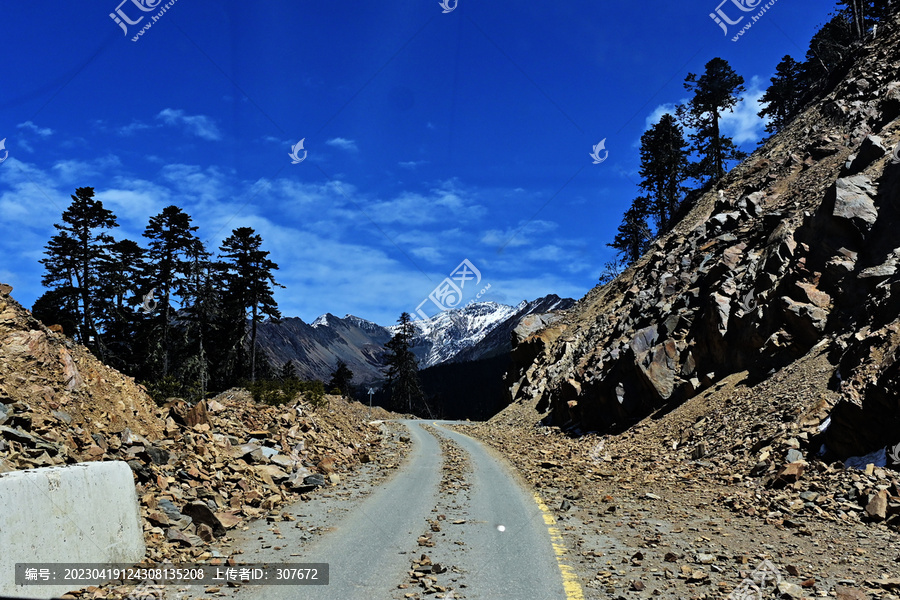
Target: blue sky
(431, 137)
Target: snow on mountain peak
(329, 320)
(321, 321)
(362, 323)
(443, 335)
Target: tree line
(166, 312)
(178, 319)
(669, 159)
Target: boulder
(854, 202)
(843, 592)
(157, 455)
(280, 460)
(315, 479)
(201, 514)
(877, 507)
(189, 416)
(326, 465)
(869, 151)
(789, 473)
(246, 451)
(175, 516)
(228, 519)
(660, 366)
(271, 472)
(184, 539)
(807, 320)
(531, 324)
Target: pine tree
(863, 14)
(54, 308)
(403, 369)
(857, 11)
(167, 268)
(716, 91)
(249, 284)
(201, 317)
(120, 269)
(289, 371)
(664, 168)
(341, 378)
(73, 262)
(59, 305)
(633, 238)
(829, 47)
(782, 98)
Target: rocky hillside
(46, 380)
(199, 470)
(315, 349)
(794, 252)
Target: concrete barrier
(84, 513)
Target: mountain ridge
(315, 348)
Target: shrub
(268, 391)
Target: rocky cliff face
(794, 249)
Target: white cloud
(338, 276)
(520, 235)
(412, 164)
(445, 204)
(41, 131)
(73, 172)
(132, 128)
(343, 144)
(549, 252)
(332, 257)
(429, 253)
(198, 125)
(657, 113)
(134, 203)
(743, 125)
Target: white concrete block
(84, 513)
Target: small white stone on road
(501, 528)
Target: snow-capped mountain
(474, 331)
(497, 340)
(443, 336)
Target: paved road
(505, 550)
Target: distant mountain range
(477, 331)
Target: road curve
(507, 551)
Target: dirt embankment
(688, 502)
(200, 470)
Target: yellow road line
(570, 581)
(571, 585)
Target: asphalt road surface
(504, 550)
